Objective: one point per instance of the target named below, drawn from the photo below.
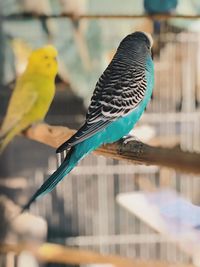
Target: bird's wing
(22, 100)
(119, 98)
(114, 97)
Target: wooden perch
(53, 253)
(134, 151)
(75, 16)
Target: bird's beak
(55, 58)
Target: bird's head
(137, 43)
(44, 61)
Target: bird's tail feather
(7, 136)
(5, 140)
(67, 165)
(2, 135)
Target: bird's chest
(46, 91)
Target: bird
(119, 99)
(160, 6)
(32, 95)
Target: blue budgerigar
(160, 6)
(120, 97)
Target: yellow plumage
(32, 95)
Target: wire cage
(82, 211)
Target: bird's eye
(46, 57)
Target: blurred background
(82, 211)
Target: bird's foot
(33, 125)
(36, 123)
(128, 138)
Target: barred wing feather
(118, 91)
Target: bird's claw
(128, 138)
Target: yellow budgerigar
(32, 95)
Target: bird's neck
(40, 73)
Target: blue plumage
(160, 6)
(119, 99)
